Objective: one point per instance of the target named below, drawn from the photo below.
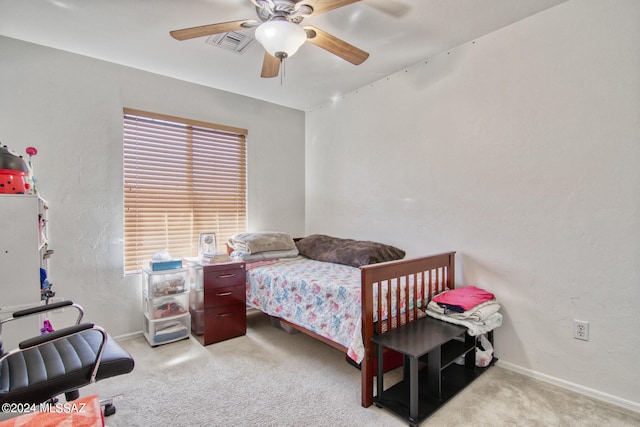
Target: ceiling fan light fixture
(280, 38)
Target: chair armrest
(41, 308)
(52, 336)
(44, 308)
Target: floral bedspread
(320, 296)
(323, 297)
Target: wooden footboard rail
(432, 274)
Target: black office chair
(43, 367)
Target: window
(181, 178)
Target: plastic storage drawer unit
(165, 304)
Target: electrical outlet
(581, 330)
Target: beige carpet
(272, 378)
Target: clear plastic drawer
(163, 307)
(164, 331)
(166, 282)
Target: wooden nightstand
(225, 313)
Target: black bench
(432, 343)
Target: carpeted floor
(272, 378)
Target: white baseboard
(623, 403)
(128, 336)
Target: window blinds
(181, 178)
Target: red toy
(14, 173)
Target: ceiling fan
(278, 30)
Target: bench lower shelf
(454, 379)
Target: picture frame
(207, 245)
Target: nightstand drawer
(216, 297)
(225, 322)
(224, 278)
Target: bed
(344, 305)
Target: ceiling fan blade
(270, 66)
(207, 30)
(322, 6)
(336, 46)
(394, 8)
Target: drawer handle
(225, 314)
(224, 294)
(226, 276)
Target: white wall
(520, 151)
(70, 108)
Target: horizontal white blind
(181, 178)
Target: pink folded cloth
(466, 297)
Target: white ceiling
(136, 33)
